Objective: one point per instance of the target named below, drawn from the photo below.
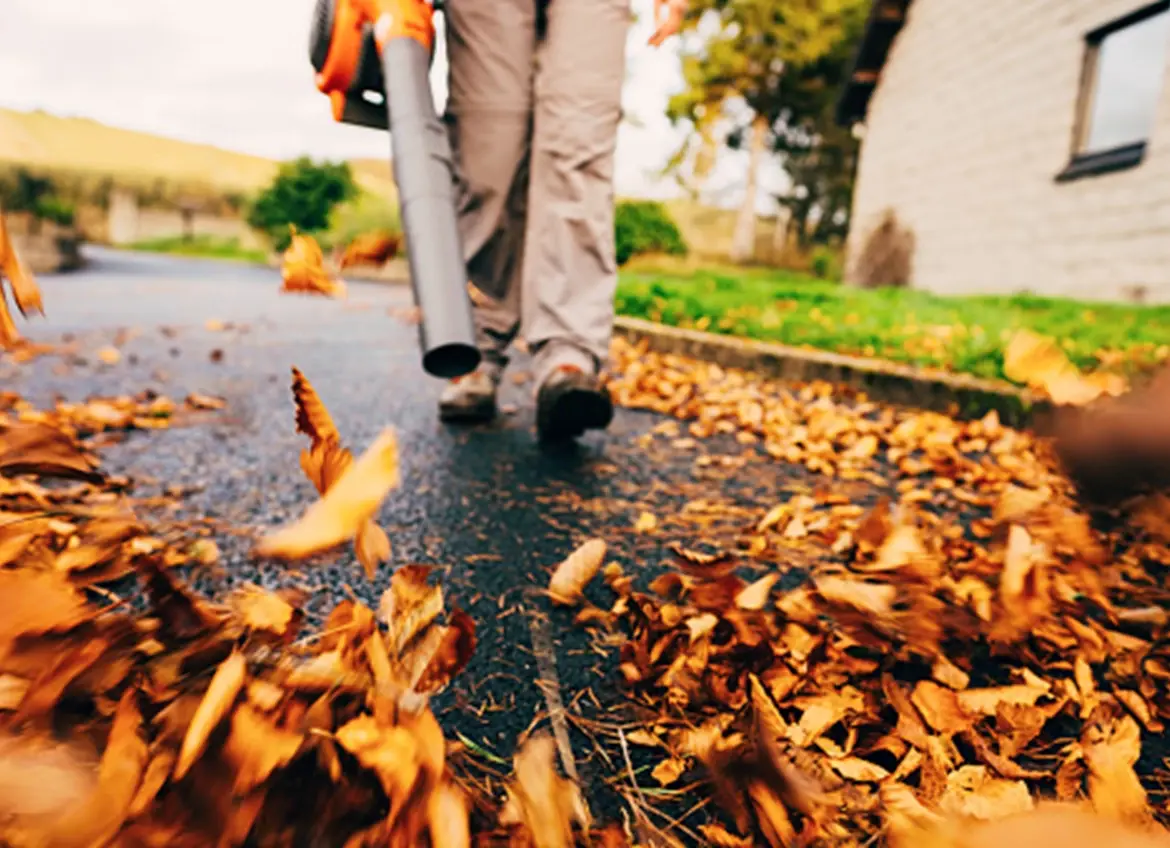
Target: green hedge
(644, 226)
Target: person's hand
(668, 18)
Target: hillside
(48, 141)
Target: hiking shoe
(469, 399)
(569, 402)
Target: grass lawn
(964, 334)
(209, 247)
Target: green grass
(962, 334)
(209, 247)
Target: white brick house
(1025, 144)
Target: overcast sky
(235, 73)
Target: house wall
(971, 121)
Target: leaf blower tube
(373, 58)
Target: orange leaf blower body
(373, 59)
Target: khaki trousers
(533, 110)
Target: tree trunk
(780, 235)
(743, 244)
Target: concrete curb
(888, 382)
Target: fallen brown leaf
(344, 508)
(575, 572)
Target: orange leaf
(669, 770)
(24, 287)
(313, 418)
(217, 701)
(303, 268)
(1039, 362)
(452, 654)
(542, 802)
(372, 547)
(37, 602)
(450, 825)
(257, 747)
(260, 609)
(344, 507)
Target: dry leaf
(1112, 747)
(374, 248)
(325, 462)
(260, 609)
(1040, 363)
(972, 792)
(344, 508)
(755, 596)
(669, 770)
(862, 771)
(572, 575)
(302, 268)
(647, 522)
(540, 801)
(256, 747)
(217, 702)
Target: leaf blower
(373, 59)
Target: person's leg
(490, 55)
(570, 270)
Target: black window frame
(1126, 156)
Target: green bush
(304, 194)
(55, 209)
(644, 226)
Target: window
(1125, 64)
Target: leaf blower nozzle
(373, 59)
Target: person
(533, 108)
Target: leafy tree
(303, 194)
(819, 155)
(767, 56)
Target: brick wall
(972, 120)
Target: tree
(303, 194)
(750, 52)
(819, 155)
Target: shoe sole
(574, 411)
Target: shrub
(304, 194)
(644, 226)
(887, 257)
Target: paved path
(487, 505)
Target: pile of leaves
(929, 672)
(302, 269)
(192, 723)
